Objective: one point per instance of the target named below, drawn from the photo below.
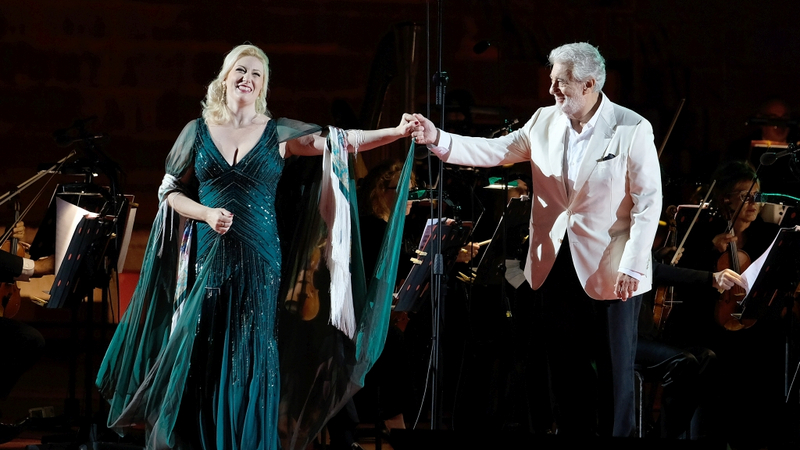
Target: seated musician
(684, 373)
(749, 356)
(23, 344)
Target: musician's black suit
(22, 344)
(10, 266)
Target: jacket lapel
(595, 150)
(555, 149)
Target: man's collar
(593, 120)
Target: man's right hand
(428, 134)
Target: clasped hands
(423, 132)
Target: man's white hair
(583, 60)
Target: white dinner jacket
(613, 211)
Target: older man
(596, 204)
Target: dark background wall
(142, 66)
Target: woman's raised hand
(408, 125)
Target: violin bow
(696, 215)
(671, 126)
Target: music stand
(491, 268)
(454, 236)
(84, 228)
(777, 276)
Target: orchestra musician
(684, 374)
(749, 356)
(23, 344)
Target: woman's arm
(219, 219)
(314, 144)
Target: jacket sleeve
(644, 188)
(490, 152)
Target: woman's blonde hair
(215, 107)
(375, 184)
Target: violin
(728, 309)
(303, 300)
(9, 292)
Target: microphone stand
(437, 271)
(769, 158)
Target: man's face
(568, 92)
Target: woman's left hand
(408, 124)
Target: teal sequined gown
(194, 358)
(234, 371)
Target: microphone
(75, 132)
(769, 158)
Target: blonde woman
(196, 360)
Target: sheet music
(126, 239)
(514, 273)
(751, 273)
(426, 234)
(67, 218)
